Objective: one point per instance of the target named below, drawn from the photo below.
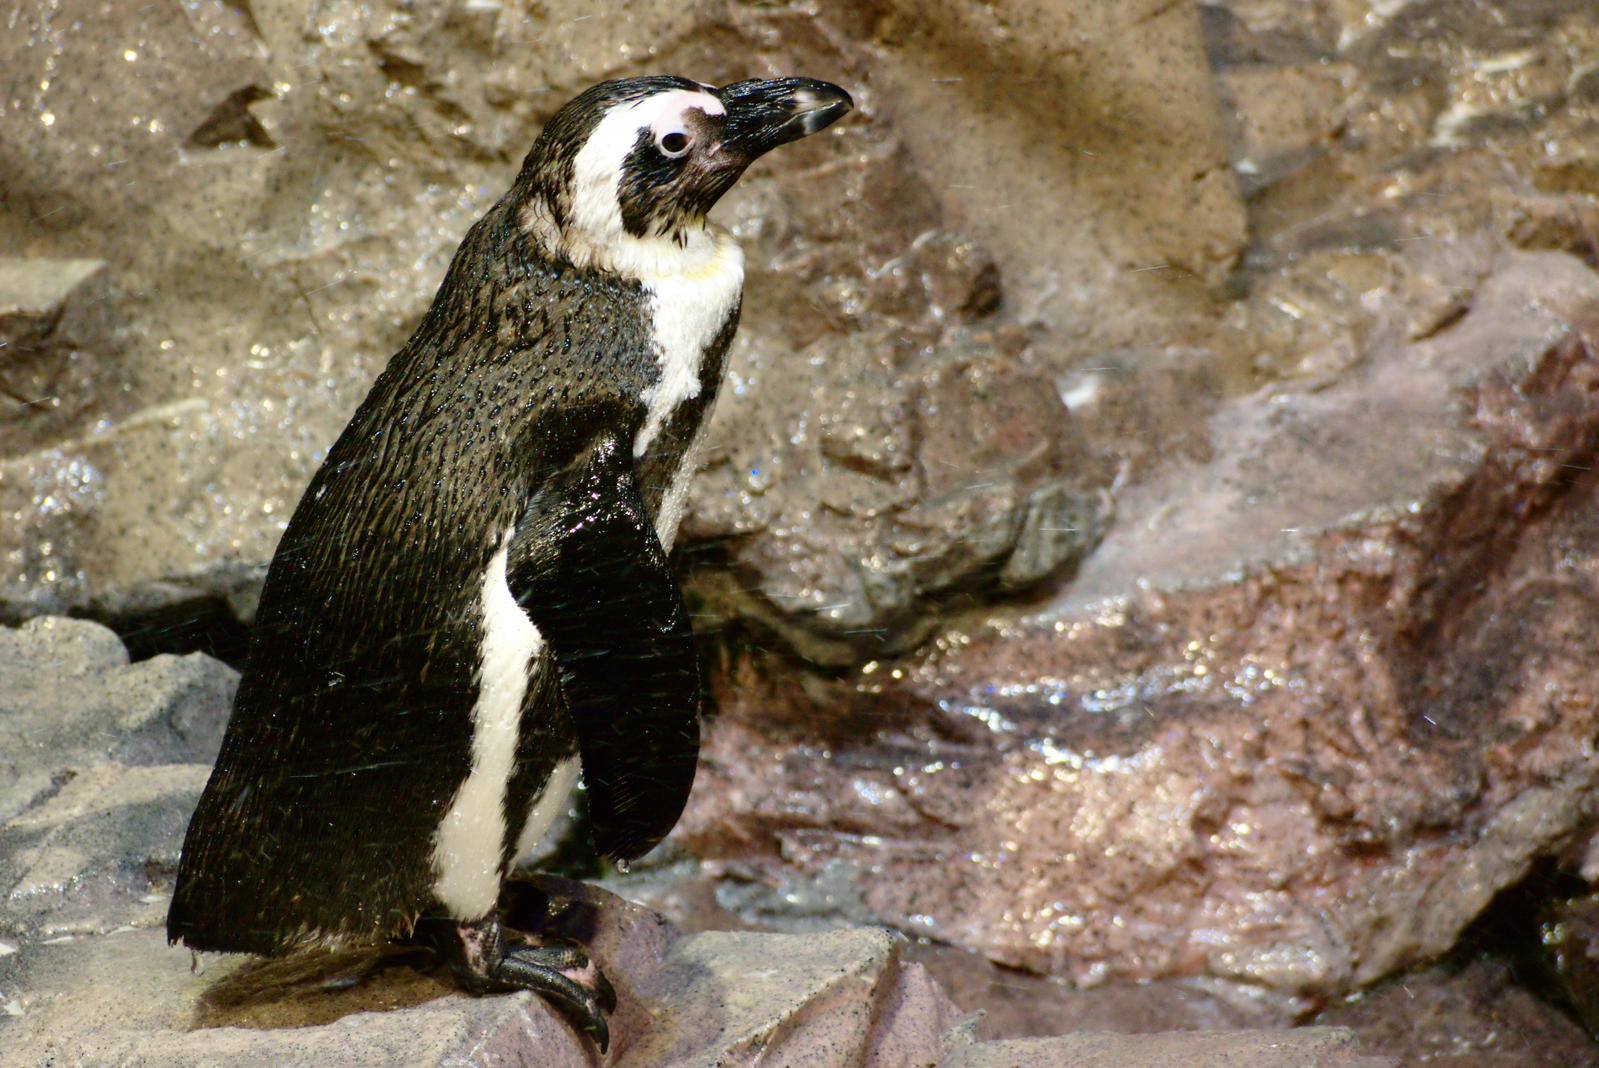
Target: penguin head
(642, 160)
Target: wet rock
(277, 197)
(1567, 955)
(1017, 1004)
(1362, 136)
(887, 490)
(842, 997)
(1318, 693)
(86, 975)
(1310, 705)
(59, 375)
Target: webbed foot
(489, 958)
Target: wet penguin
(471, 604)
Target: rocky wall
(1147, 528)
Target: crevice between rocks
(202, 625)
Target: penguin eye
(673, 145)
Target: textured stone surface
(1476, 1016)
(1308, 1048)
(1244, 284)
(69, 699)
(1568, 955)
(276, 190)
(129, 998)
(94, 857)
(819, 1001)
(1234, 744)
(58, 344)
(86, 975)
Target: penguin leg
(489, 959)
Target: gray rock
(127, 998)
(888, 488)
(830, 999)
(837, 998)
(69, 699)
(98, 854)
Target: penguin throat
(695, 249)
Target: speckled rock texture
(1148, 528)
(101, 763)
(275, 191)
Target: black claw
(487, 962)
(532, 968)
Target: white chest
(688, 309)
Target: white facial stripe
(675, 106)
(467, 849)
(597, 169)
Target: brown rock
(1305, 711)
(277, 198)
(1475, 1016)
(1306, 1048)
(1319, 694)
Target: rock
(1309, 1047)
(96, 856)
(1317, 694)
(1476, 1016)
(128, 997)
(716, 998)
(1308, 707)
(96, 790)
(59, 375)
(844, 997)
(58, 344)
(69, 700)
(828, 999)
(86, 975)
(891, 490)
(323, 169)
(1566, 955)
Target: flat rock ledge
(844, 997)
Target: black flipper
(587, 568)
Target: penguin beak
(762, 114)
